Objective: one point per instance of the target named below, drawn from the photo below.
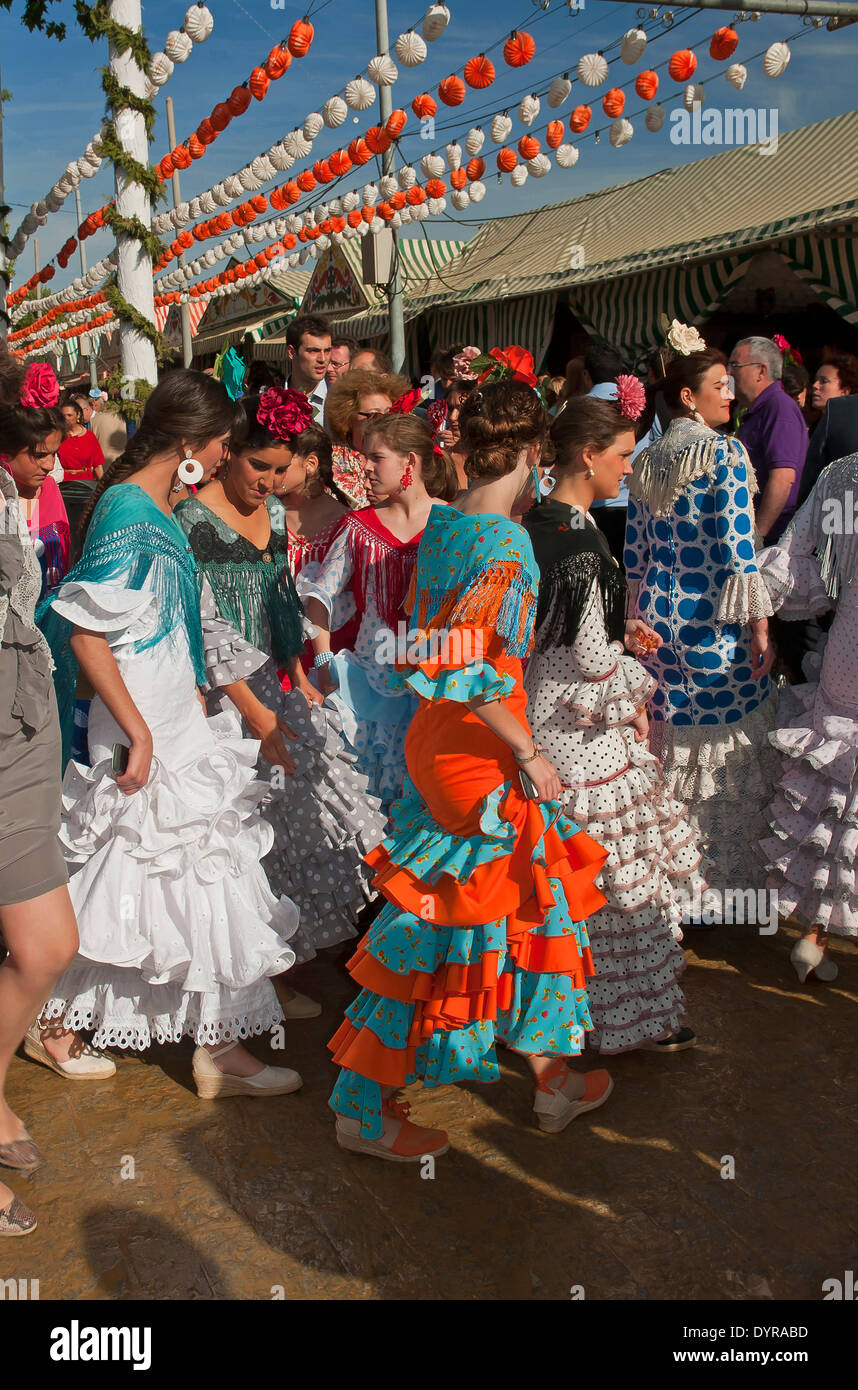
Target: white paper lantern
(352, 201)
(160, 69)
(336, 207)
(776, 59)
(363, 229)
(500, 128)
(460, 198)
(359, 94)
(178, 46)
(474, 140)
(435, 22)
(280, 157)
(432, 165)
(559, 91)
(387, 186)
(694, 95)
(53, 202)
(566, 156)
(209, 258)
(529, 109)
(737, 75)
(220, 195)
(454, 155)
(181, 215)
(73, 174)
(621, 132)
(654, 118)
(382, 70)
(334, 112)
(233, 186)
(539, 166)
(410, 49)
(313, 125)
(518, 175)
(369, 194)
(436, 206)
(407, 177)
(633, 45)
(297, 144)
(592, 69)
(263, 168)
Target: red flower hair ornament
(41, 390)
(284, 413)
(631, 397)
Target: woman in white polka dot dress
(692, 576)
(587, 709)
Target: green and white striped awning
(830, 266)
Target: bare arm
(541, 772)
(98, 664)
(774, 498)
(263, 723)
(317, 613)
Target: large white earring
(190, 470)
(547, 484)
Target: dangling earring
(591, 473)
(407, 477)
(190, 470)
(547, 484)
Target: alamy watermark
(412, 646)
(840, 515)
(731, 127)
(744, 906)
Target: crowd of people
(506, 680)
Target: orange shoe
(554, 1109)
(400, 1142)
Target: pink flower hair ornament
(41, 390)
(790, 353)
(284, 413)
(631, 397)
(462, 363)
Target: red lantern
(580, 119)
(682, 65)
(221, 116)
(452, 90)
(238, 101)
(723, 44)
(613, 102)
(479, 72)
(518, 50)
(259, 83)
(646, 85)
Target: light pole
(187, 349)
(388, 161)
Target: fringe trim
(500, 597)
(391, 568)
(659, 484)
(566, 596)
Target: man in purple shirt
(772, 430)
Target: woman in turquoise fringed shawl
(317, 803)
(179, 931)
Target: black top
(572, 553)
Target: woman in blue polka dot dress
(692, 576)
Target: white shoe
(89, 1065)
(808, 959)
(212, 1083)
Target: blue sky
(57, 100)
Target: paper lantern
(221, 116)
(500, 128)
(180, 157)
(633, 45)
(334, 112)
(621, 132)
(723, 43)
(340, 162)
(646, 85)
(297, 144)
(359, 152)
(323, 171)
(206, 131)
(474, 140)
(415, 196)
(435, 22)
(410, 49)
(775, 59)
(518, 177)
(424, 105)
(406, 177)
(458, 178)
(528, 147)
(477, 191)
(196, 148)
(592, 69)
(476, 168)
(654, 118)
(306, 181)
(259, 83)
(382, 70)
(359, 94)
(432, 166)
(166, 168)
(238, 100)
(614, 102)
(460, 199)
(160, 69)
(300, 38)
(566, 156)
(539, 166)
(554, 134)
(396, 123)
(506, 161)
(694, 95)
(682, 65)
(178, 46)
(479, 72)
(377, 139)
(528, 109)
(454, 155)
(559, 91)
(518, 49)
(452, 90)
(436, 188)
(277, 62)
(580, 118)
(737, 75)
(199, 23)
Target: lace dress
(810, 852)
(179, 930)
(692, 576)
(323, 819)
(583, 692)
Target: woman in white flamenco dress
(180, 934)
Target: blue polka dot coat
(689, 559)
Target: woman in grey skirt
(37, 922)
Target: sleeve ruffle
(435, 681)
(744, 599)
(228, 655)
(121, 615)
(613, 700)
(794, 583)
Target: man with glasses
(308, 345)
(772, 430)
(342, 351)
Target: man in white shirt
(308, 345)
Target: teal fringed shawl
(257, 596)
(131, 542)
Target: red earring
(407, 477)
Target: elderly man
(772, 430)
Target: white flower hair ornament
(684, 339)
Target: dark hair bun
(496, 422)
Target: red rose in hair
(517, 360)
(284, 413)
(41, 388)
(407, 402)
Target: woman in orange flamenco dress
(488, 885)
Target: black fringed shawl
(571, 553)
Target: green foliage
(35, 16)
(126, 398)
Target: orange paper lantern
(528, 147)
(518, 50)
(259, 83)
(646, 85)
(340, 163)
(306, 181)
(385, 211)
(580, 118)
(181, 157)
(506, 161)
(300, 38)
(479, 72)
(359, 151)
(458, 178)
(398, 199)
(354, 218)
(291, 191)
(436, 188)
(723, 44)
(415, 195)
(452, 90)
(238, 100)
(221, 116)
(206, 131)
(476, 167)
(396, 122)
(259, 203)
(367, 213)
(277, 62)
(377, 139)
(196, 148)
(554, 134)
(682, 65)
(613, 102)
(424, 105)
(323, 171)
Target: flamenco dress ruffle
(483, 937)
